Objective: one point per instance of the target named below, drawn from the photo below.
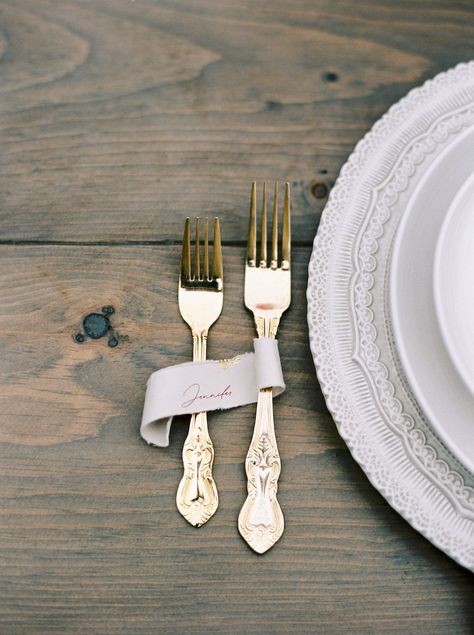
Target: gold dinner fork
(267, 295)
(200, 296)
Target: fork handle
(197, 497)
(261, 520)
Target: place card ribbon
(209, 385)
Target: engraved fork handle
(197, 497)
(261, 520)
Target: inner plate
(437, 385)
(454, 283)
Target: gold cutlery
(200, 296)
(267, 295)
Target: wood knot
(97, 325)
(319, 189)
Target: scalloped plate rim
(336, 410)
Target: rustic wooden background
(117, 119)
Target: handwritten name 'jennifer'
(194, 395)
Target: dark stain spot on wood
(274, 105)
(97, 325)
(323, 171)
(330, 77)
(319, 190)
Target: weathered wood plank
(119, 118)
(90, 540)
(47, 377)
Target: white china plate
(437, 386)
(453, 282)
(408, 458)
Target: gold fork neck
(199, 346)
(267, 326)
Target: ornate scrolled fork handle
(261, 520)
(267, 295)
(197, 498)
(200, 297)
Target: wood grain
(66, 391)
(117, 119)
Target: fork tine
(217, 251)
(206, 250)
(186, 252)
(286, 235)
(263, 233)
(252, 238)
(197, 254)
(274, 262)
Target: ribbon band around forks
(208, 385)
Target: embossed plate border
(349, 323)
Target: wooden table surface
(117, 119)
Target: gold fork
(200, 297)
(267, 295)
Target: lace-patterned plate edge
(399, 493)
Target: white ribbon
(210, 385)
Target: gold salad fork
(200, 297)
(267, 295)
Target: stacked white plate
(391, 308)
